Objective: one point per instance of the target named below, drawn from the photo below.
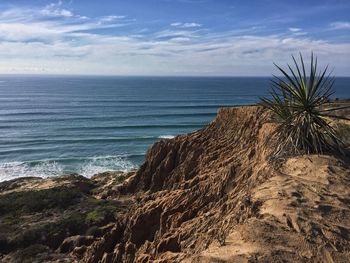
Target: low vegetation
(36, 201)
(48, 216)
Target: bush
(297, 102)
(101, 215)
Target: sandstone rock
(186, 176)
(195, 191)
(75, 241)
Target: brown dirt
(304, 217)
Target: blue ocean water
(53, 125)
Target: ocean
(52, 125)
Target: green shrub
(297, 102)
(95, 217)
(101, 215)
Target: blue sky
(170, 37)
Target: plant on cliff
(298, 103)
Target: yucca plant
(297, 102)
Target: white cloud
(174, 33)
(245, 55)
(55, 10)
(297, 31)
(300, 33)
(111, 18)
(340, 25)
(185, 25)
(27, 32)
(31, 42)
(176, 24)
(294, 29)
(26, 24)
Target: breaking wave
(48, 168)
(166, 137)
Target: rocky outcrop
(191, 189)
(56, 219)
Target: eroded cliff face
(192, 190)
(216, 196)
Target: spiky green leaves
(296, 102)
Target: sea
(53, 125)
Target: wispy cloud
(56, 41)
(340, 25)
(55, 9)
(294, 29)
(297, 31)
(111, 18)
(185, 25)
(26, 24)
(168, 34)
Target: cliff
(216, 195)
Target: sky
(171, 37)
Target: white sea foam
(107, 163)
(166, 137)
(11, 170)
(89, 167)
